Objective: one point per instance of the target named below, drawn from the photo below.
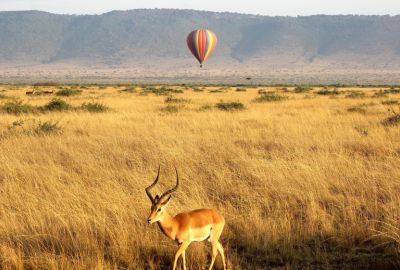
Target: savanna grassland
(305, 177)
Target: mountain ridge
(155, 39)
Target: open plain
(305, 176)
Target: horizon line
(197, 10)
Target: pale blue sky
(265, 7)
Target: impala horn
(173, 189)
(152, 185)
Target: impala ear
(165, 203)
(156, 198)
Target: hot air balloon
(202, 43)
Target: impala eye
(159, 210)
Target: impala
(188, 227)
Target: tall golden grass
(301, 182)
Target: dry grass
(301, 182)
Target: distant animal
(30, 92)
(48, 92)
(188, 227)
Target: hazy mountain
(138, 36)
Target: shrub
(230, 106)
(171, 99)
(56, 105)
(380, 94)
(241, 89)
(205, 107)
(390, 102)
(196, 89)
(392, 91)
(162, 91)
(359, 109)
(129, 90)
(356, 94)
(216, 91)
(262, 92)
(17, 107)
(94, 107)
(2, 96)
(392, 120)
(171, 108)
(328, 93)
(302, 89)
(68, 92)
(47, 127)
(269, 98)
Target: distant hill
(157, 38)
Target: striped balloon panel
(202, 43)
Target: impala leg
(214, 254)
(221, 251)
(184, 259)
(180, 251)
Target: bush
(2, 96)
(241, 89)
(162, 91)
(230, 106)
(269, 98)
(390, 102)
(56, 105)
(205, 107)
(175, 100)
(262, 92)
(171, 108)
(328, 93)
(302, 89)
(356, 94)
(392, 91)
(392, 120)
(47, 127)
(196, 89)
(380, 94)
(94, 107)
(129, 90)
(17, 107)
(68, 92)
(359, 109)
(216, 91)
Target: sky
(262, 7)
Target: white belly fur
(200, 234)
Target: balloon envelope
(202, 43)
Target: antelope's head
(159, 203)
